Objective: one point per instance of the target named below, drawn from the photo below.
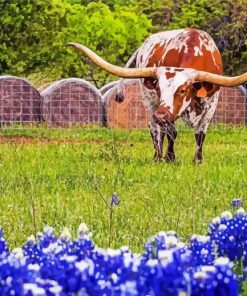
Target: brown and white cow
(181, 75)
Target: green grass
(66, 184)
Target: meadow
(63, 177)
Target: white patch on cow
(198, 52)
(184, 106)
(169, 86)
(190, 118)
(177, 40)
(206, 41)
(208, 113)
(209, 44)
(150, 98)
(169, 39)
(201, 122)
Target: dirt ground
(30, 140)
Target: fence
(75, 101)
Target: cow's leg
(199, 137)
(171, 136)
(202, 126)
(157, 134)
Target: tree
(34, 35)
(27, 32)
(113, 34)
(158, 11)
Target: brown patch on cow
(209, 62)
(172, 59)
(170, 75)
(155, 56)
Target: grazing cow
(181, 75)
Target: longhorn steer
(181, 75)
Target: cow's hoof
(197, 160)
(158, 158)
(170, 157)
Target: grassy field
(65, 177)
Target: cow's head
(176, 87)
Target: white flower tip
(83, 229)
(200, 238)
(208, 268)
(48, 230)
(222, 227)
(65, 235)
(222, 261)
(171, 241)
(31, 239)
(200, 275)
(124, 249)
(165, 257)
(18, 253)
(241, 212)
(216, 221)
(227, 215)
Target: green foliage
(158, 11)
(27, 32)
(112, 34)
(33, 37)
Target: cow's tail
(120, 85)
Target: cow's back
(185, 48)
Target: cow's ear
(202, 92)
(202, 89)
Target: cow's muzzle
(163, 117)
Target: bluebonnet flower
(50, 265)
(203, 250)
(215, 280)
(229, 234)
(4, 251)
(115, 199)
(238, 202)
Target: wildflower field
(107, 179)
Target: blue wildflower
(50, 265)
(236, 203)
(203, 250)
(115, 200)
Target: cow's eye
(182, 91)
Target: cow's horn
(220, 80)
(115, 70)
